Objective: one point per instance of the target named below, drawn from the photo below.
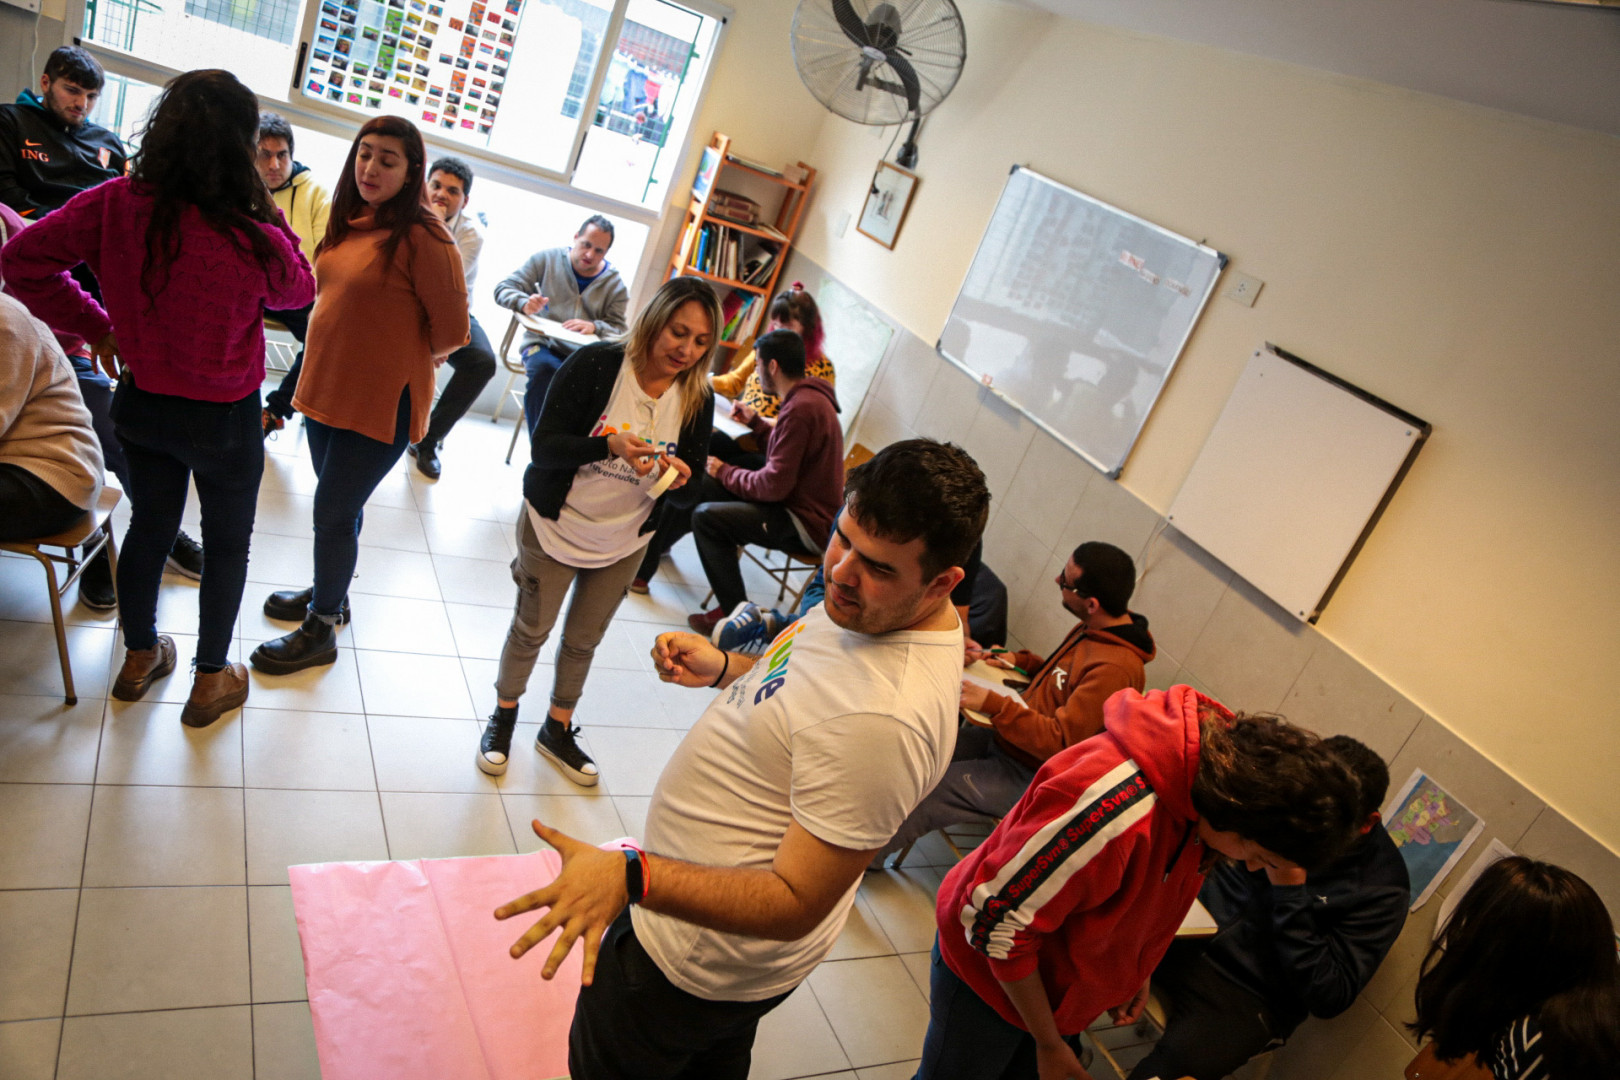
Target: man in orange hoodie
(1103, 654)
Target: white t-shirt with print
(843, 733)
(601, 519)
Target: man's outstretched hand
(583, 899)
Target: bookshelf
(740, 225)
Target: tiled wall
(1219, 634)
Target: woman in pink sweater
(189, 251)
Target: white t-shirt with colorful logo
(843, 733)
(601, 520)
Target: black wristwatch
(635, 877)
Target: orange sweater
(375, 329)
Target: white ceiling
(1555, 62)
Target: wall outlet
(1243, 289)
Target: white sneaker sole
(583, 779)
(714, 635)
(488, 767)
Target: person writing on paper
(575, 286)
(619, 416)
(1102, 654)
(1523, 979)
(793, 310)
(773, 803)
(1291, 944)
(1065, 909)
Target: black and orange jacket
(44, 163)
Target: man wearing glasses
(1103, 654)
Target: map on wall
(441, 65)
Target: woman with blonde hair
(618, 416)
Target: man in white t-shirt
(766, 816)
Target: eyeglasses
(1072, 588)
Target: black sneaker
(186, 557)
(96, 590)
(561, 745)
(495, 748)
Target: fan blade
(908, 78)
(853, 25)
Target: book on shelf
(733, 207)
(748, 163)
(707, 167)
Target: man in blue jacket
(1290, 945)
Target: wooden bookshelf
(717, 248)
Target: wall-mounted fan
(880, 63)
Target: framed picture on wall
(887, 201)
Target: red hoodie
(1090, 874)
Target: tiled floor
(145, 921)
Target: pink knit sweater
(203, 338)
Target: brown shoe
(214, 694)
(142, 668)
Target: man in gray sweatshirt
(575, 286)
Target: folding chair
(92, 532)
(514, 368)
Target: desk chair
(961, 839)
(92, 532)
(514, 368)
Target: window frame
(341, 122)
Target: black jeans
(348, 468)
(473, 365)
(279, 400)
(731, 451)
(1213, 1026)
(633, 1023)
(722, 526)
(169, 441)
(676, 521)
(30, 508)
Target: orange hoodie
(1067, 690)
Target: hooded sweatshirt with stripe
(1088, 877)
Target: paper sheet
(1496, 850)
(1433, 831)
(991, 678)
(1198, 922)
(554, 329)
(409, 974)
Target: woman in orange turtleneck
(390, 305)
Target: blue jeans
(541, 364)
(967, 1039)
(167, 442)
(348, 467)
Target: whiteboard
(1075, 312)
(1293, 478)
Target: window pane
(254, 39)
(122, 107)
(648, 96)
(509, 75)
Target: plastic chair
(92, 533)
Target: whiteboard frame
(1112, 471)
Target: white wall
(1457, 261)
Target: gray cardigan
(550, 274)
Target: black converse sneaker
(496, 746)
(561, 745)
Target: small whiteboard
(1075, 312)
(1293, 478)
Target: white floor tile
(28, 1049)
(278, 960)
(140, 949)
(275, 559)
(795, 1039)
(399, 624)
(410, 684)
(427, 753)
(591, 818)
(633, 813)
(622, 699)
(631, 759)
(476, 581)
(213, 1043)
(285, 828)
(43, 740)
(42, 844)
(530, 772)
(903, 901)
(36, 947)
(385, 572)
(480, 631)
(920, 964)
(33, 667)
(898, 1070)
(144, 742)
(284, 748)
(284, 1043)
(165, 836)
(875, 1008)
(468, 538)
(862, 935)
(423, 825)
(331, 687)
(394, 527)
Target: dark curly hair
(924, 488)
(399, 215)
(1275, 784)
(1528, 939)
(197, 151)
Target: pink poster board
(409, 974)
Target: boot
(142, 668)
(291, 605)
(311, 645)
(215, 693)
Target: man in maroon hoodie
(787, 504)
(1103, 654)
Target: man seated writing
(1291, 944)
(1103, 654)
(787, 504)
